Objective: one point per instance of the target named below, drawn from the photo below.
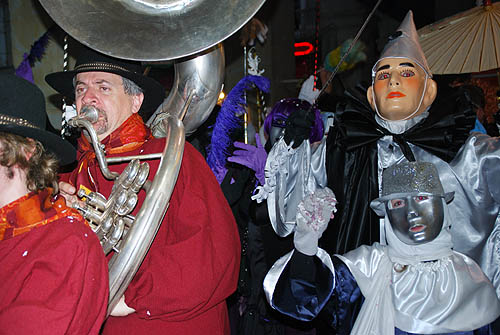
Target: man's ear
(430, 93)
(137, 100)
(369, 96)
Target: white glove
(313, 214)
(307, 91)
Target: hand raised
(253, 157)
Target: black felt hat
(22, 112)
(90, 61)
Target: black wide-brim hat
(22, 112)
(91, 61)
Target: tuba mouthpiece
(89, 113)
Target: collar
(129, 136)
(400, 126)
(441, 133)
(33, 210)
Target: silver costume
(426, 288)
(473, 174)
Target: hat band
(9, 120)
(100, 67)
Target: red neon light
(303, 48)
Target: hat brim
(154, 92)
(378, 205)
(63, 150)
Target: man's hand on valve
(68, 191)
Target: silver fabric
(474, 175)
(406, 45)
(400, 126)
(371, 268)
(291, 174)
(427, 298)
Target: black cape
(351, 161)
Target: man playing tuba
(193, 263)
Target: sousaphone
(148, 31)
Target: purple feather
(24, 69)
(38, 48)
(227, 121)
(36, 53)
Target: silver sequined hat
(405, 44)
(409, 178)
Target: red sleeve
(193, 263)
(64, 177)
(55, 281)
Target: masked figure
(413, 283)
(402, 118)
(261, 247)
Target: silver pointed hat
(404, 43)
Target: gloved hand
(251, 157)
(313, 214)
(307, 91)
(298, 127)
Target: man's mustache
(91, 113)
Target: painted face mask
(400, 76)
(398, 88)
(416, 218)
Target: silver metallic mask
(275, 134)
(416, 218)
(412, 198)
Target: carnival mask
(400, 89)
(416, 218)
(275, 134)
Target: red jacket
(193, 263)
(54, 280)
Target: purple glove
(251, 157)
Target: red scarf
(129, 136)
(33, 210)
